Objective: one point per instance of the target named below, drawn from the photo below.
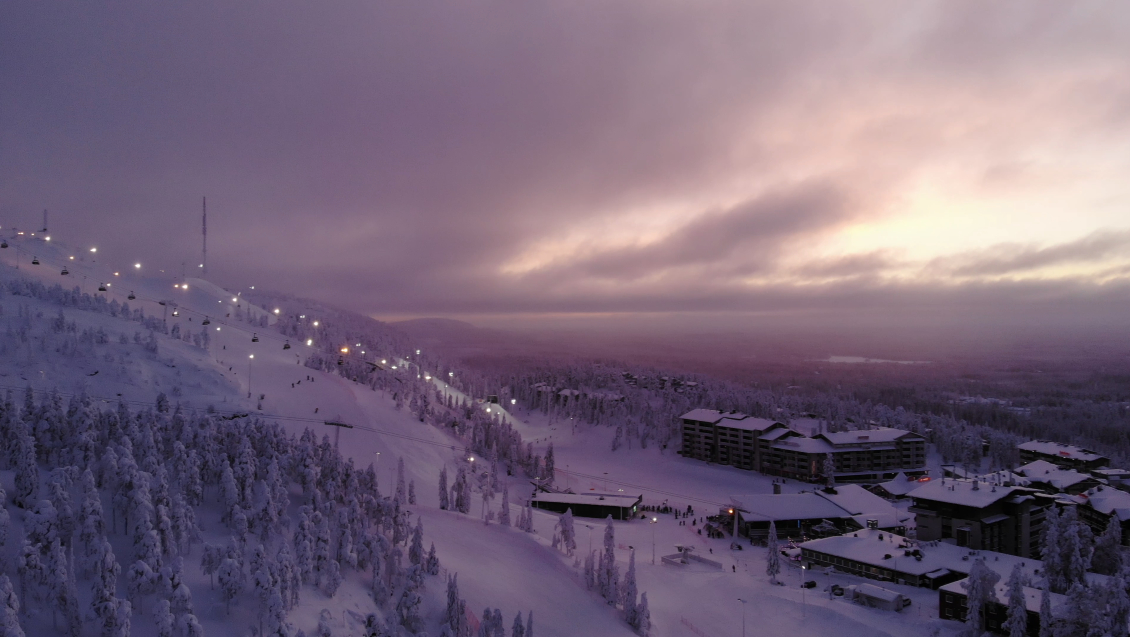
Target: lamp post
(653, 522)
(589, 527)
(249, 359)
(743, 615)
(803, 590)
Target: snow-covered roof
(1108, 500)
(1059, 449)
(1031, 595)
(1049, 473)
(866, 505)
(763, 507)
(732, 419)
(866, 436)
(866, 547)
(1004, 476)
(877, 592)
(779, 433)
(602, 499)
(805, 445)
(900, 485)
(956, 491)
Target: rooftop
(1109, 501)
(603, 499)
(762, 507)
(806, 445)
(1031, 595)
(900, 485)
(973, 493)
(866, 547)
(866, 436)
(1050, 448)
(733, 419)
(1048, 473)
(863, 504)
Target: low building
(1066, 456)
(794, 514)
(876, 597)
(1099, 505)
(953, 603)
(877, 454)
(980, 516)
(1053, 478)
(589, 505)
(898, 487)
(893, 558)
(868, 510)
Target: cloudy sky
(576, 158)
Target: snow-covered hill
(239, 376)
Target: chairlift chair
(176, 312)
(340, 360)
(35, 260)
(64, 272)
(101, 287)
(131, 296)
(286, 345)
(254, 338)
(206, 321)
(3, 244)
(160, 302)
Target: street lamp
(652, 523)
(803, 590)
(249, 359)
(744, 602)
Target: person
(735, 567)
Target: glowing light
(94, 249)
(345, 350)
(426, 377)
(513, 401)
(184, 286)
(384, 362)
(472, 458)
(417, 352)
(48, 239)
(251, 356)
(234, 300)
(450, 374)
(315, 324)
(276, 310)
(488, 410)
(137, 266)
(117, 274)
(217, 329)
(309, 342)
(394, 366)
(72, 258)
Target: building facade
(981, 516)
(756, 444)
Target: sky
(812, 162)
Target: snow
(798, 506)
(498, 566)
(1059, 449)
(972, 493)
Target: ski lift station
(590, 505)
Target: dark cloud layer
(401, 158)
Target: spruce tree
(443, 496)
(773, 557)
(1017, 622)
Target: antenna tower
(204, 257)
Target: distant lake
(861, 359)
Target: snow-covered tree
(980, 590)
(443, 497)
(608, 575)
(1047, 621)
(567, 534)
(1107, 557)
(829, 471)
(628, 593)
(163, 619)
(401, 489)
(10, 620)
(1051, 552)
(416, 550)
(643, 617)
(504, 508)
(518, 629)
(411, 492)
(1017, 622)
(773, 556)
(431, 563)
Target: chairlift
(206, 321)
(286, 345)
(3, 244)
(160, 302)
(131, 296)
(35, 260)
(64, 272)
(254, 338)
(340, 360)
(101, 287)
(176, 312)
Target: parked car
(837, 590)
(810, 584)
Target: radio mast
(204, 254)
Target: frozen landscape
(519, 319)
